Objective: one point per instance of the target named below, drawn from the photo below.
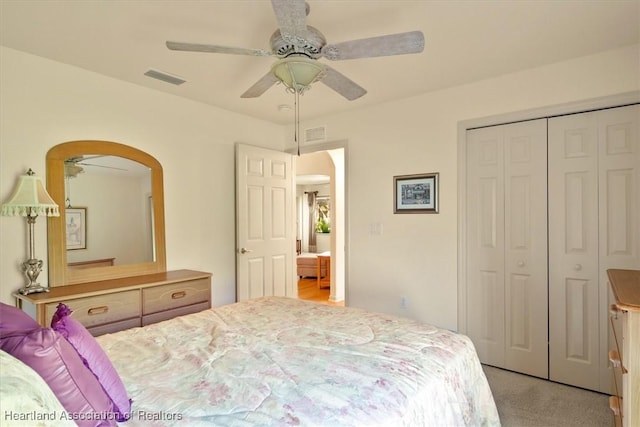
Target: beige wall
(43, 103)
(416, 255)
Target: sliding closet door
(507, 245)
(594, 176)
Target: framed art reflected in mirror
(76, 226)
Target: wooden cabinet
(323, 265)
(113, 305)
(625, 405)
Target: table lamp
(30, 199)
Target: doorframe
(611, 101)
(344, 253)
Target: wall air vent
(315, 134)
(168, 78)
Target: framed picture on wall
(415, 193)
(76, 221)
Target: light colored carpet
(525, 401)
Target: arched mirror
(111, 222)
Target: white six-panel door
(593, 225)
(507, 245)
(265, 231)
(573, 251)
(594, 172)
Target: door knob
(245, 250)
(577, 267)
(520, 263)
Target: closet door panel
(619, 179)
(506, 245)
(619, 211)
(526, 247)
(574, 356)
(485, 244)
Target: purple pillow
(94, 358)
(56, 361)
(14, 319)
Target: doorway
(321, 170)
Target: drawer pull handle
(614, 310)
(616, 361)
(614, 357)
(178, 295)
(614, 405)
(98, 310)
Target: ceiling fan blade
(101, 166)
(193, 47)
(391, 44)
(260, 86)
(342, 84)
(291, 16)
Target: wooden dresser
(626, 357)
(113, 305)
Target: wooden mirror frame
(59, 273)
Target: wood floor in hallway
(308, 290)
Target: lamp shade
(30, 198)
(298, 72)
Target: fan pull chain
(297, 120)
(68, 192)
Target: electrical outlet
(404, 302)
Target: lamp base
(31, 269)
(32, 289)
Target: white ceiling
(312, 179)
(466, 41)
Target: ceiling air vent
(315, 134)
(168, 78)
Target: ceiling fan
(73, 165)
(299, 46)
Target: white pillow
(27, 400)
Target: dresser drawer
(170, 314)
(174, 295)
(102, 309)
(110, 328)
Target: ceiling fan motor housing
(310, 45)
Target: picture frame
(76, 228)
(416, 193)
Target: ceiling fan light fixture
(72, 170)
(297, 73)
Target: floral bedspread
(280, 361)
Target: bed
(307, 264)
(281, 361)
(273, 361)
